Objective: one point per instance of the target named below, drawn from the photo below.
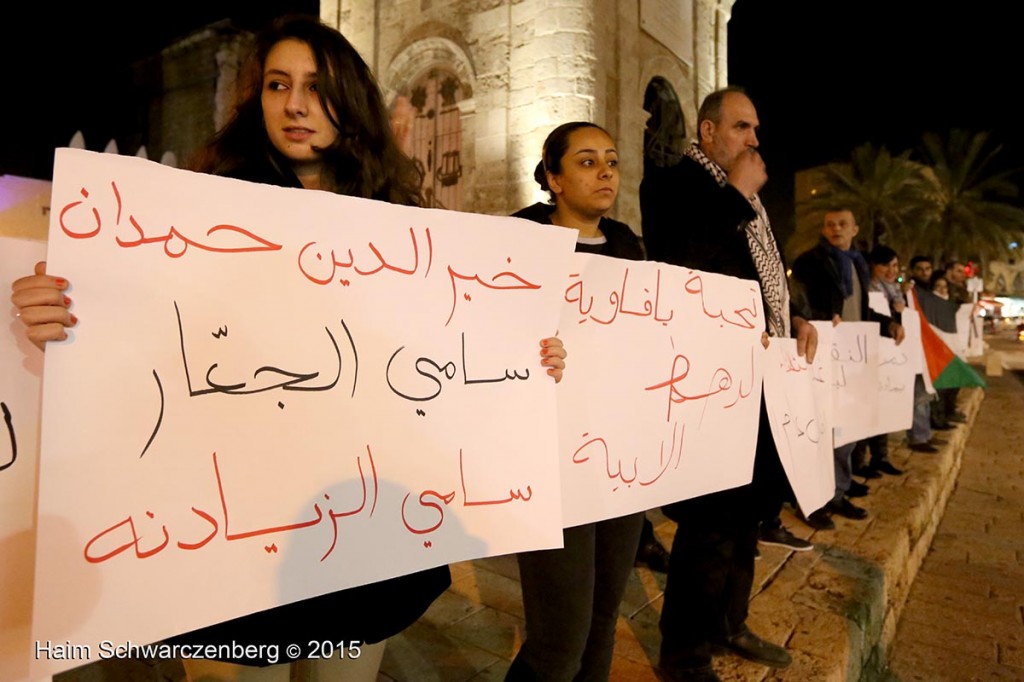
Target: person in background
(885, 270)
(920, 436)
(833, 277)
(571, 595)
(945, 408)
(310, 115)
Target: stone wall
(524, 66)
(190, 89)
(533, 64)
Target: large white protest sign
(21, 375)
(895, 386)
(274, 393)
(662, 400)
(854, 355)
(798, 397)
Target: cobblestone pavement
(964, 619)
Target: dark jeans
(944, 406)
(571, 597)
(712, 565)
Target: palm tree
(889, 195)
(977, 212)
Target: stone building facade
(514, 69)
(476, 85)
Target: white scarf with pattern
(763, 249)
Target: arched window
(665, 133)
(433, 136)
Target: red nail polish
(544, 342)
(74, 320)
(61, 282)
(67, 301)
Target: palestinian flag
(945, 368)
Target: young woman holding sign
(310, 116)
(571, 595)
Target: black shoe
(819, 520)
(923, 447)
(942, 427)
(857, 489)
(886, 467)
(751, 647)
(652, 555)
(847, 509)
(866, 471)
(779, 536)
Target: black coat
(692, 221)
(817, 283)
(621, 242)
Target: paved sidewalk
(964, 619)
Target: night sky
(67, 69)
(825, 75)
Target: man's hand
(806, 339)
(748, 173)
(897, 332)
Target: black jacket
(692, 221)
(817, 284)
(621, 242)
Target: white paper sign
(275, 393)
(964, 331)
(798, 397)
(855, 381)
(663, 399)
(21, 374)
(895, 386)
(879, 303)
(911, 322)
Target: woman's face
(589, 179)
(296, 123)
(941, 288)
(888, 272)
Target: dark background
(825, 75)
(66, 68)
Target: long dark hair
(555, 147)
(364, 161)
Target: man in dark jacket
(832, 279)
(704, 213)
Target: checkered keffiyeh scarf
(763, 250)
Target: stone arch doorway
(665, 132)
(430, 85)
(434, 136)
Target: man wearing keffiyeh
(705, 213)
